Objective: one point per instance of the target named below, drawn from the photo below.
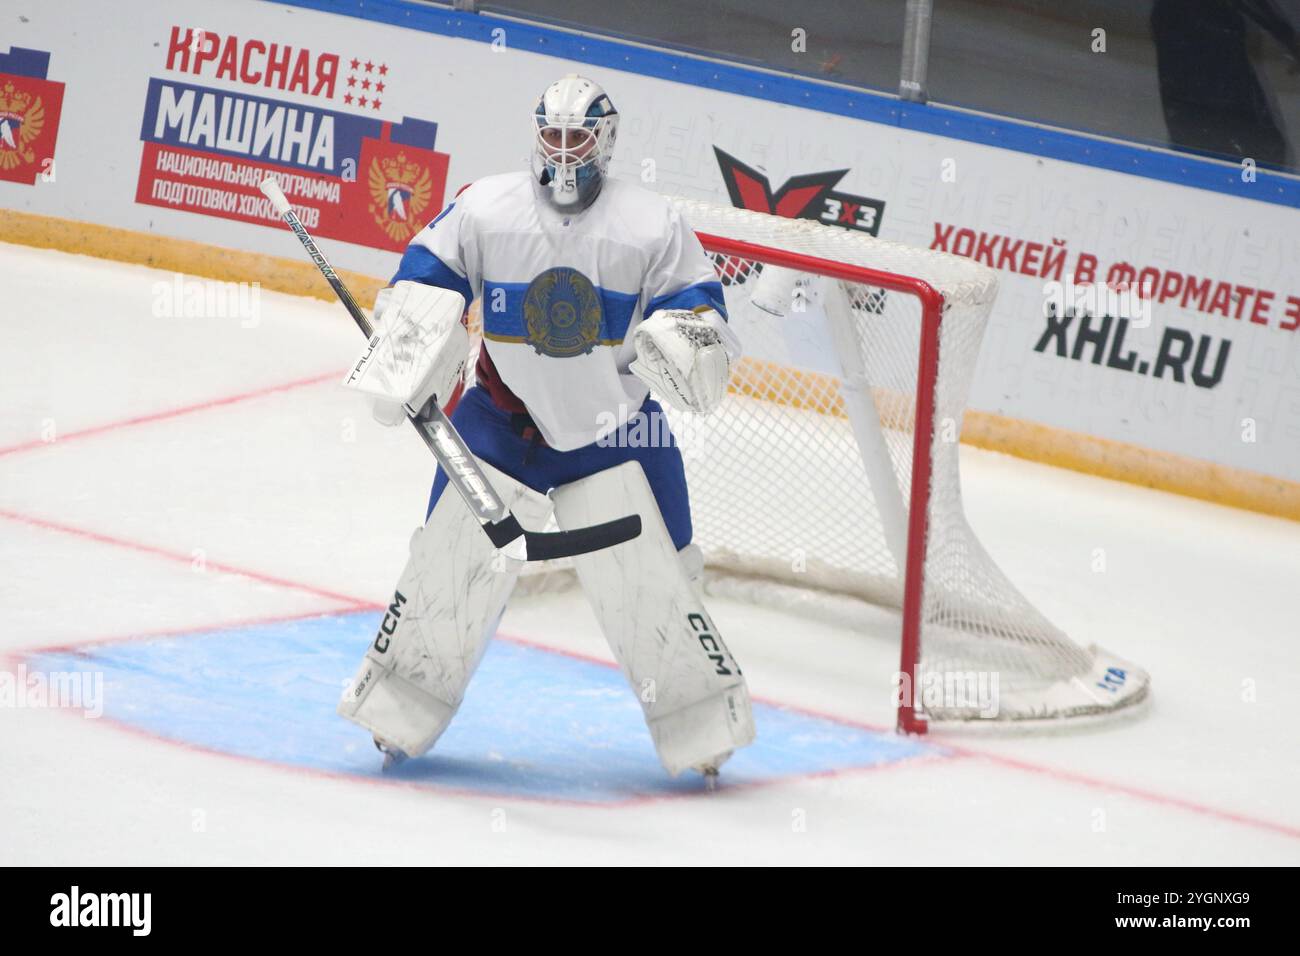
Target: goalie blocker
(417, 352)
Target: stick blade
(546, 546)
(549, 545)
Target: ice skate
(392, 755)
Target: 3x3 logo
(808, 196)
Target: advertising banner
(1130, 308)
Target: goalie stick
(447, 445)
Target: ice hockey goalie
(593, 292)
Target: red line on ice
(82, 647)
(169, 413)
(349, 600)
(1150, 796)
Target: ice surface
(215, 518)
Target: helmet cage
(571, 153)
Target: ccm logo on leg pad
(703, 631)
(389, 624)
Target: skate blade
(392, 756)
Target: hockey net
(832, 466)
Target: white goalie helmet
(575, 125)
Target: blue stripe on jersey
(503, 311)
(703, 293)
(420, 265)
(450, 207)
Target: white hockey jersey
(561, 294)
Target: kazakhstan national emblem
(562, 313)
(22, 117)
(400, 191)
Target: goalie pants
(491, 435)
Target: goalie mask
(575, 128)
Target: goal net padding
(830, 473)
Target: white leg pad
(693, 695)
(443, 612)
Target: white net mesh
(803, 477)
